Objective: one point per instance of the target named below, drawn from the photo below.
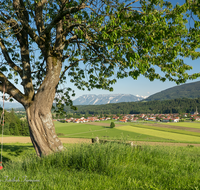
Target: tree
(6, 129)
(44, 42)
(13, 129)
(112, 124)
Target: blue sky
(142, 86)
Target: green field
(78, 130)
(131, 131)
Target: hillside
(190, 90)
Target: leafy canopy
(97, 41)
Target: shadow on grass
(14, 150)
(5, 159)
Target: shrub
(112, 125)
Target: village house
(123, 120)
(115, 118)
(151, 119)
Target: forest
(182, 105)
(13, 125)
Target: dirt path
(28, 140)
(81, 140)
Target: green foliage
(112, 124)
(13, 129)
(6, 129)
(13, 125)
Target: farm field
(146, 131)
(92, 130)
(162, 134)
(186, 124)
(175, 127)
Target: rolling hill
(190, 90)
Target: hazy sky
(141, 86)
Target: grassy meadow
(103, 166)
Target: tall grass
(106, 166)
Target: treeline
(182, 105)
(13, 125)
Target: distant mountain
(92, 99)
(190, 90)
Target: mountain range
(92, 99)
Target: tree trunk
(42, 130)
(38, 110)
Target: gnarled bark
(42, 130)
(38, 110)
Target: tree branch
(17, 30)
(67, 42)
(71, 65)
(61, 14)
(70, 28)
(24, 47)
(59, 36)
(39, 15)
(8, 59)
(11, 89)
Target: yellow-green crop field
(161, 134)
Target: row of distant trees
(13, 125)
